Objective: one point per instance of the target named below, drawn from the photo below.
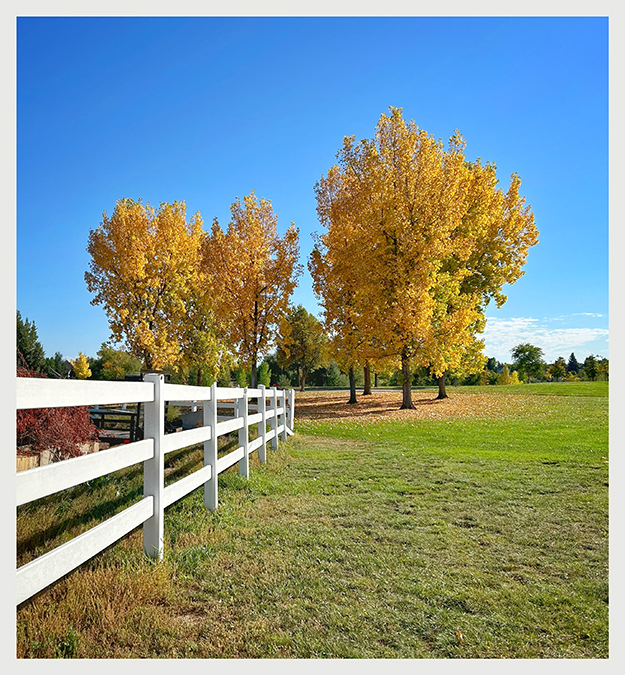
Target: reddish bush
(59, 430)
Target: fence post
(292, 409)
(283, 434)
(244, 435)
(210, 450)
(262, 427)
(273, 422)
(154, 469)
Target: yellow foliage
(252, 273)
(81, 367)
(202, 344)
(144, 267)
(504, 376)
(417, 241)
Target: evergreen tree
(493, 365)
(334, 377)
(573, 365)
(30, 352)
(264, 374)
(57, 367)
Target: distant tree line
(304, 357)
(532, 367)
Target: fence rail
(274, 408)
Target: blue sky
(206, 109)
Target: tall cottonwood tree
(489, 248)
(334, 273)
(388, 216)
(203, 345)
(426, 238)
(253, 273)
(144, 266)
(452, 342)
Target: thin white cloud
(587, 314)
(501, 335)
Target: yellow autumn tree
(426, 240)
(388, 215)
(81, 367)
(143, 269)
(488, 249)
(253, 273)
(334, 267)
(452, 343)
(202, 346)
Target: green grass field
(445, 538)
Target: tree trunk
(352, 385)
(302, 381)
(367, 388)
(254, 375)
(406, 403)
(375, 380)
(199, 376)
(441, 387)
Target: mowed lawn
(475, 527)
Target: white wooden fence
(274, 408)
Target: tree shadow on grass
(332, 407)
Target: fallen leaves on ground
(385, 405)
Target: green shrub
(284, 382)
